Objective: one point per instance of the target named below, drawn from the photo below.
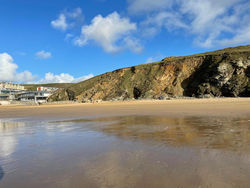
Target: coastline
(220, 107)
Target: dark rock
(164, 97)
(137, 93)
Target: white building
(37, 96)
(9, 90)
(11, 86)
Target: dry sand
(230, 107)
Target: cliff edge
(214, 74)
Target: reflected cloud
(7, 146)
(61, 127)
(8, 140)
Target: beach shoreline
(232, 107)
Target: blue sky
(46, 41)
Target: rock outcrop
(214, 74)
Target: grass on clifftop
(33, 87)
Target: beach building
(10, 86)
(36, 96)
(4, 97)
(17, 92)
(9, 90)
(40, 95)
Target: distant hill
(33, 87)
(219, 73)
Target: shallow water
(126, 151)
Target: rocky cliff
(215, 74)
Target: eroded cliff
(221, 73)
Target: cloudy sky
(68, 41)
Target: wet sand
(176, 143)
(175, 108)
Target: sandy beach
(232, 107)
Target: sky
(47, 41)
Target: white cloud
(62, 78)
(68, 36)
(82, 78)
(8, 70)
(43, 54)
(60, 22)
(168, 20)
(141, 6)
(213, 28)
(7, 67)
(75, 13)
(112, 33)
(133, 44)
(67, 19)
(24, 77)
(242, 37)
(8, 73)
(211, 22)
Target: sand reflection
(126, 151)
(216, 133)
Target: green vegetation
(32, 87)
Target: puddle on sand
(232, 134)
(127, 151)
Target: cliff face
(220, 73)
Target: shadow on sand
(1, 173)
